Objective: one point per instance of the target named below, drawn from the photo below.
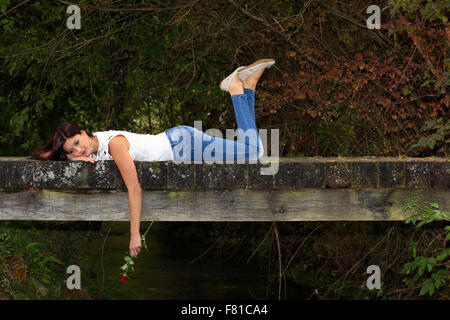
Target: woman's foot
(225, 84)
(251, 74)
(252, 80)
(236, 85)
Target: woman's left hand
(85, 159)
(135, 244)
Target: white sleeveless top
(143, 147)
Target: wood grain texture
(219, 205)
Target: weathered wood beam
(221, 205)
(303, 189)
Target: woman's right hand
(85, 159)
(135, 244)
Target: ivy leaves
(431, 272)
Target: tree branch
(285, 36)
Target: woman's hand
(135, 244)
(85, 159)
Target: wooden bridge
(303, 189)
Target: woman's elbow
(135, 190)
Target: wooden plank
(219, 205)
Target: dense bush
(338, 88)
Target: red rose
(123, 278)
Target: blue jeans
(191, 144)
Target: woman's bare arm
(125, 164)
(86, 159)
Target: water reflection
(165, 271)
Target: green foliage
(429, 10)
(146, 71)
(34, 257)
(438, 140)
(431, 271)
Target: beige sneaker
(225, 84)
(254, 67)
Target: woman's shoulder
(111, 133)
(104, 139)
(120, 136)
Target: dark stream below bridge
(165, 271)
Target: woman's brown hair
(53, 150)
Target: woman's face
(78, 145)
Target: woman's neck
(94, 144)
